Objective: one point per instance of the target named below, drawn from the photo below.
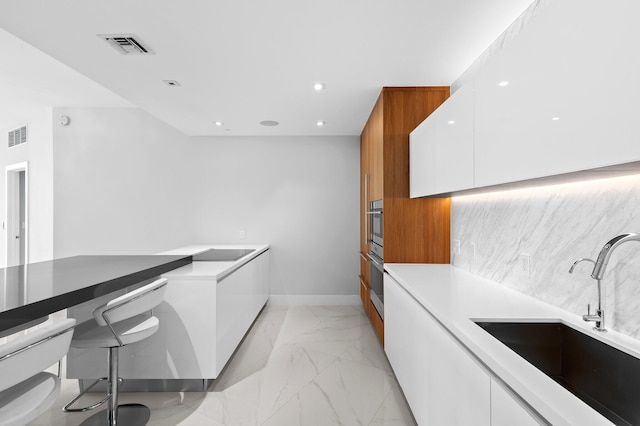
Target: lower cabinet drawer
(443, 384)
(507, 411)
(364, 295)
(376, 322)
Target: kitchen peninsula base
(209, 306)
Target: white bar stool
(26, 391)
(123, 320)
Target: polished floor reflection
(299, 365)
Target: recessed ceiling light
(319, 87)
(219, 123)
(320, 123)
(269, 123)
(451, 122)
(555, 118)
(503, 83)
(172, 83)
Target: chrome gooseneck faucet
(603, 258)
(599, 268)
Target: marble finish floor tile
(298, 365)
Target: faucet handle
(588, 308)
(582, 259)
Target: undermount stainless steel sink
(602, 376)
(221, 255)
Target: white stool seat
(91, 335)
(26, 391)
(27, 400)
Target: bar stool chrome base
(67, 408)
(128, 415)
(119, 322)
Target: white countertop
(211, 270)
(455, 297)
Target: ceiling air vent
(127, 44)
(18, 136)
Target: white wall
(127, 183)
(121, 183)
(299, 194)
(556, 225)
(38, 152)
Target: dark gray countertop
(29, 292)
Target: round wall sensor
(63, 120)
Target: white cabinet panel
(261, 281)
(234, 311)
(571, 103)
(240, 297)
(409, 356)
(506, 411)
(441, 148)
(442, 383)
(572, 99)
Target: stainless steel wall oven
(376, 222)
(375, 283)
(376, 226)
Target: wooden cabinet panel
(377, 323)
(365, 179)
(364, 295)
(365, 268)
(376, 145)
(415, 230)
(364, 281)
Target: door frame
(12, 212)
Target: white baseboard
(319, 299)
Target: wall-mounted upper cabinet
(571, 102)
(559, 98)
(441, 148)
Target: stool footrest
(67, 408)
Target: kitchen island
(35, 290)
(209, 306)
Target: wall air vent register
(18, 136)
(127, 44)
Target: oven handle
(378, 264)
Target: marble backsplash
(555, 225)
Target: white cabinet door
(506, 411)
(265, 288)
(234, 311)
(441, 148)
(239, 299)
(571, 102)
(409, 356)
(442, 383)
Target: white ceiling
(243, 61)
(31, 80)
